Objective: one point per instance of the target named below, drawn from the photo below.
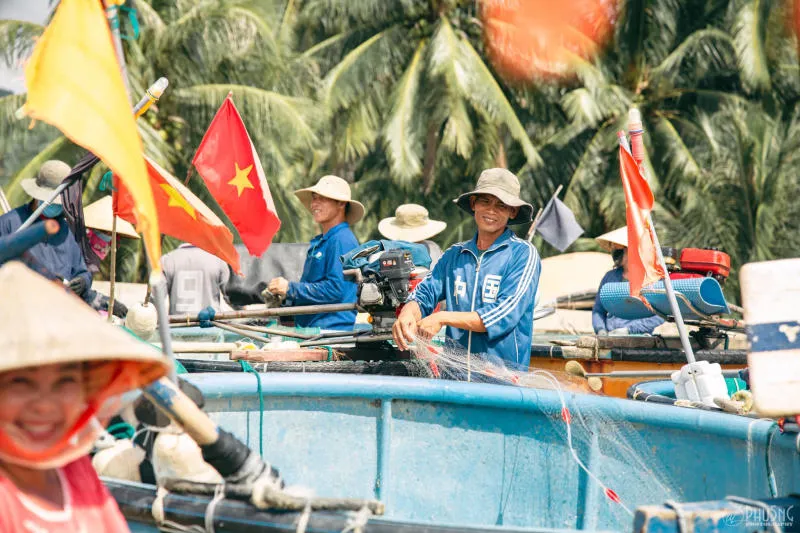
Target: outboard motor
(384, 290)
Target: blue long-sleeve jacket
(60, 255)
(601, 320)
(500, 285)
(322, 281)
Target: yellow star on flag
(241, 180)
(176, 199)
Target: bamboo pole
(112, 275)
(259, 313)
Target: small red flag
(228, 163)
(181, 214)
(643, 267)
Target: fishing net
(611, 456)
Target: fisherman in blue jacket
(322, 282)
(603, 322)
(488, 283)
(60, 255)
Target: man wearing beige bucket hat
(64, 372)
(488, 283)
(604, 323)
(322, 281)
(62, 254)
(411, 223)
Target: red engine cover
(705, 261)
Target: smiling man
(488, 282)
(322, 281)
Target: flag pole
(635, 130)
(112, 275)
(532, 231)
(150, 97)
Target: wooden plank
(303, 354)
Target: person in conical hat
(616, 242)
(488, 283)
(98, 217)
(411, 223)
(63, 373)
(60, 256)
(331, 205)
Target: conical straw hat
(42, 324)
(614, 239)
(100, 215)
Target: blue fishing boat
(452, 456)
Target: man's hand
(404, 329)
(278, 286)
(78, 285)
(430, 325)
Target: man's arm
(328, 290)
(644, 325)
(420, 303)
(466, 320)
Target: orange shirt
(88, 506)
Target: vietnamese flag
(228, 163)
(643, 267)
(181, 214)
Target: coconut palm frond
(17, 38)
(645, 30)
(749, 37)
(710, 49)
(11, 128)
(402, 139)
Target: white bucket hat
(335, 188)
(503, 185)
(49, 177)
(613, 239)
(99, 215)
(410, 223)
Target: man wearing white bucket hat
(64, 372)
(411, 223)
(489, 282)
(603, 323)
(322, 282)
(62, 254)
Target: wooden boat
(419, 445)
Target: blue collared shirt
(601, 320)
(60, 255)
(499, 284)
(322, 281)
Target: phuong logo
(491, 288)
(761, 518)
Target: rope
(127, 430)
(247, 368)
(134, 20)
(206, 317)
(680, 516)
(219, 495)
(330, 353)
(773, 486)
(358, 520)
(302, 520)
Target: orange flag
(182, 215)
(643, 267)
(74, 83)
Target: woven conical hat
(614, 239)
(42, 324)
(100, 215)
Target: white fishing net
(617, 464)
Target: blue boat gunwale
(321, 385)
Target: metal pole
(113, 270)
(635, 127)
(151, 96)
(257, 313)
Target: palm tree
(410, 96)
(206, 49)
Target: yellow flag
(74, 83)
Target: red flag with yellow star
(228, 163)
(181, 214)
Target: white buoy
(142, 320)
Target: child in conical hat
(63, 372)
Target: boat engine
(383, 290)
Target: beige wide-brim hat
(410, 223)
(335, 188)
(504, 185)
(49, 177)
(613, 239)
(99, 215)
(42, 324)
